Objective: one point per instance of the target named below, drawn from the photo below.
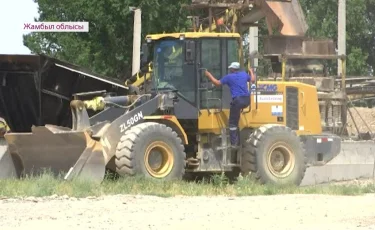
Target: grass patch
(47, 185)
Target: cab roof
(192, 35)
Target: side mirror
(144, 55)
(189, 51)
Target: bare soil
(149, 212)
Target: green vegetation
(107, 48)
(321, 17)
(47, 185)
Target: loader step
(223, 147)
(193, 162)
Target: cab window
(211, 59)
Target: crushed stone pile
(365, 125)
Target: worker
(237, 81)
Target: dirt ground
(149, 212)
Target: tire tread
(253, 143)
(125, 152)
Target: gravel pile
(359, 113)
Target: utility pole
(341, 45)
(253, 43)
(341, 33)
(136, 39)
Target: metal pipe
(209, 19)
(253, 44)
(283, 67)
(343, 90)
(341, 32)
(343, 74)
(363, 120)
(118, 100)
(354, 122)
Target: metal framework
(37, 90)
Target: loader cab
(178, 62)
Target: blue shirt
(237, 83)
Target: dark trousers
(237, 104)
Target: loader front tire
(275, 155)
(134, 154)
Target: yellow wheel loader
(181, 125)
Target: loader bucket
(60, 150)
(287, 14)
(7, 167)
(356, 160)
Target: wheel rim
(159, 159)
(280, 160)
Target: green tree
(107, 48)
(369, 41)
(321, 17)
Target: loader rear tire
(275, 155)
(136, 147)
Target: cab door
(211, 59)
(216, 56)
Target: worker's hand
(206, 73)
(252, 75)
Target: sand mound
(359, 113)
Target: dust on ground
(280, 212)
(148, 212)
(357, 182)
